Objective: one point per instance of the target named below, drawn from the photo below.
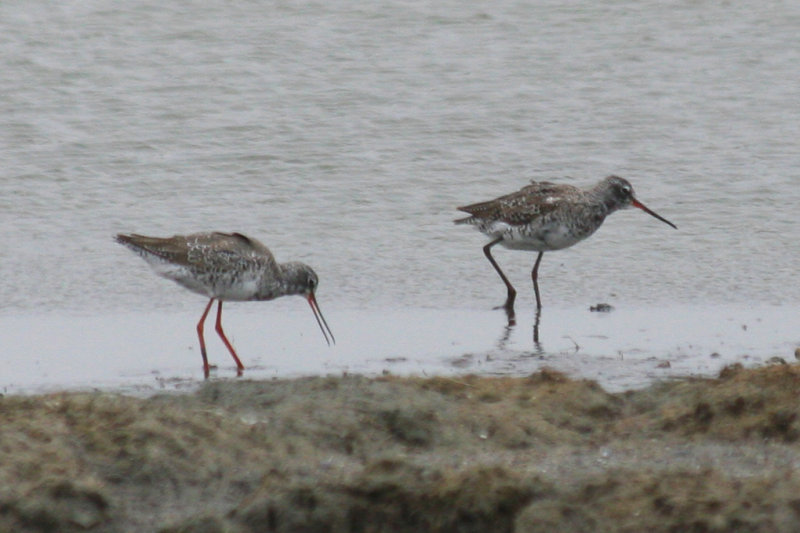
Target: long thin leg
(535, 277)
(222, 336)
(200, 335)
(536, 342)
(512, 294)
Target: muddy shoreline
(357, 454)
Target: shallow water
(628, 348)
(344, 135)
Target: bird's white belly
(224, 287)
(542, 238)
(241, 291)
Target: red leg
(511, 293)
(200, 335)
(535, 278)
(222, 336)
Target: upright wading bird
(226, 267)
(543, 216)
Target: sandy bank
(352, 454)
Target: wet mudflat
(357, 454)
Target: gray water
(343, 134)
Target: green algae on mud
(355, 454)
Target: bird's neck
(276, 281)
(291, 277)
(601, 196)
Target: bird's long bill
(312, 301)
(640, 205)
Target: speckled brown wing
(523, 206)
(200, 250)
(171, 249)
(239, 241)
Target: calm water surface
(343, 135)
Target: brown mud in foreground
(353, 454)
